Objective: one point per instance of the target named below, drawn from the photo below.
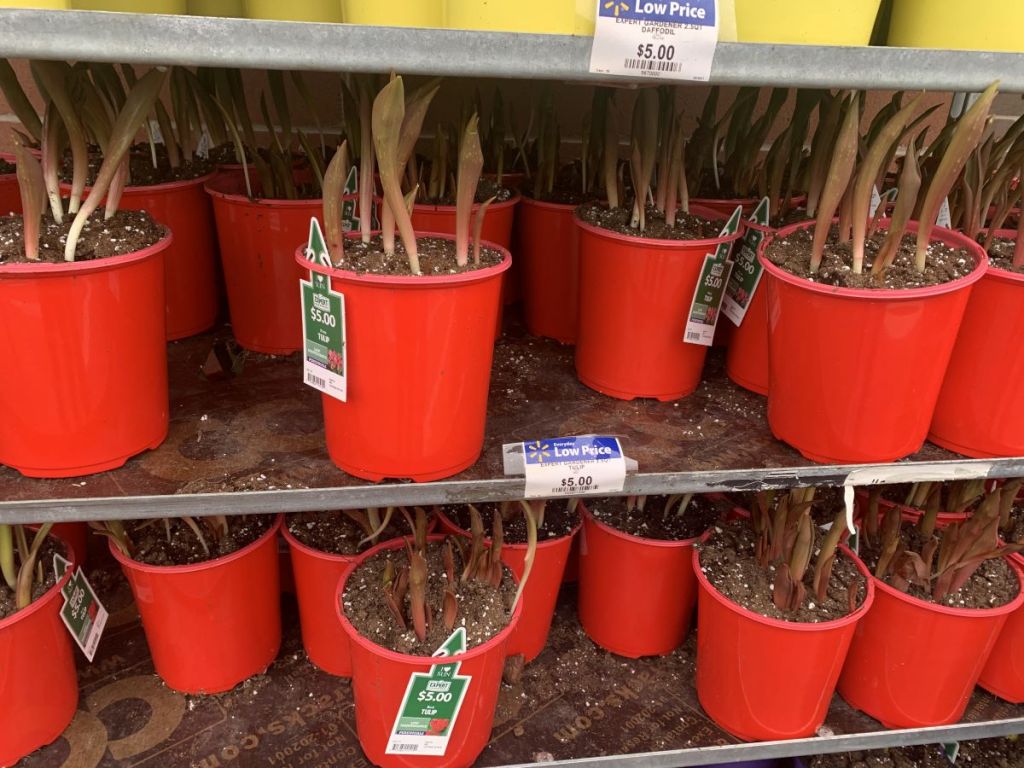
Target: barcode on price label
(653, 66)
(573, 466)
(316, 381)
(399, 747)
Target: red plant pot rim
(309, 551)
(65, 268)
(966, 613)
(884, 294)
(496, 206)
(912, 514)
(41, 602)
(206, 565)
(548, 206)
(164, 186)
(219, 179)
(379, 650)
(733, 201)
(651, 243)
(546, 544)
(657, 543)
(796, 626)
(1004, 274)
(411, 281)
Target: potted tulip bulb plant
(778, 605)
(105, 392)
(821, 309)
(446, 287)
(206, 589)
(39, 681)
(403, 605)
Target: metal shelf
(254, 444)
(203, 41)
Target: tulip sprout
(19, 566)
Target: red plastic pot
(497, 228)
(634, 299)
(907, 513)
(855, 373)
(316, 581)
(10, 194)
(190, 269)
(1003, 674)
(914, 664)
(764, 679)
(980, 409)
(210, 625)
(396, 380)
(541, 591)
(549, 263)
(380, 677)
(257, 242)
(38, 680)
(746, 361)
(723, 208)
(85, 363)
(636, 596)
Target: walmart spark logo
(538, 451)
(617, 8)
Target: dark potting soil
(170, 541)
(50, 547)
(483, 610)
(336, 533)
(437, 257)
(687, 227)
(1015, 535)
(126, 232)
(651, 522)
(141, 172)
(985, 753)
(944, 264)
(1000, 254)
(558, 520)
(727, 559)
(485, 190)
(7, 169)
(993, 584)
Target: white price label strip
(568, 466)
(673, 40)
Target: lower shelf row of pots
(213, 623)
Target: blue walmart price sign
(573, 466)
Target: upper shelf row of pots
(905, 23)
(864, 344)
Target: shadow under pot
(541, 591)
(419, 351)
(855, 372)
(454, 725)
(257, 244)
(212, 624)
(764, 677)
(38, 679)
(980, 410)
(85, 378)
(636, 594)
(635, 295)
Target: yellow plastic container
(395, 13)
(295, 10)
(132, 6)
(233, 8)
(995, 25)
(553, 17)
(47, 5)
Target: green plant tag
(324, 362)
(710, 289)
(746, 272)
(431, 704)
(952, 751)
(83, 614)
(349, 206)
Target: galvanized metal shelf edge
(204, 41)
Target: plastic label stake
(431, 704)
(945, 218)
(324, 357)
(661, 40)
(83, 614)
(573, 466)
(710, 288)
(746, 272)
